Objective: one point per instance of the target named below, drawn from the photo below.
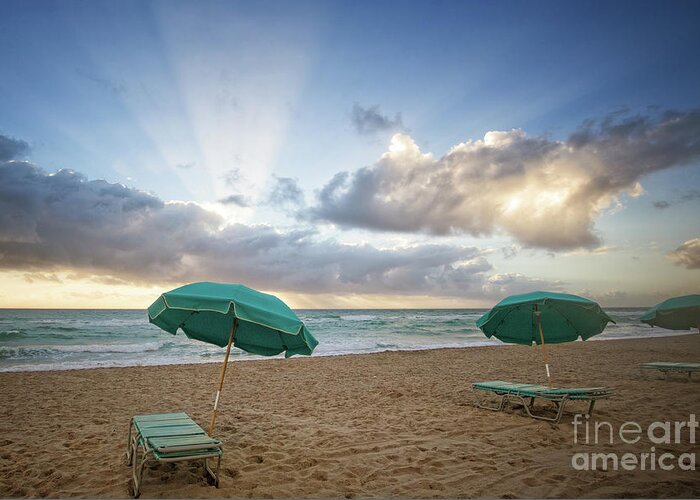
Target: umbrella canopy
(206, 311)
(564, 318)
(227, 315)
(677, 313)
(544, 318)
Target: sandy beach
(393, 424)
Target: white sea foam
(358, 317)
(47, 350)
(71, 340)
(9, 333)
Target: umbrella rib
(578, 334)
(505, 316)
(182, 323)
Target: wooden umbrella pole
(221, 383)
(544, 347)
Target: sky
(347, 154)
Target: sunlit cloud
(687, 254)
(542, 192)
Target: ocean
(53, 339)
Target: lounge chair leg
(480, 402)
(137, 471)
(213, 474)
(129, 444)
(590, 407)
(531, 414)
(560, 413)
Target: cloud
(235, 199)
(233, 177)
(501, 285)
(185, 165)
(370, 120)
(691, 195)
(32, 277)
(544, 193)
(12, 148)
(286, 192)
(600, 250)
(687, 197)
(510, 251)
(688, 254)
(114, 86)
(609, 297)
(62, 221)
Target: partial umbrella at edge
(676, 313)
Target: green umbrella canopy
(564, 318)
(206, 311)
(677, 313)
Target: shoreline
(485, 343)
(389, 424)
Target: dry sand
(394, 424)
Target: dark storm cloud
(63, 221)
(542, 192)
(370, 120)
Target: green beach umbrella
(544, 318)
(676, 313)
(226, 315)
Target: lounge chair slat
(192, 442)
(174, 423)
(663, 366)
(170, 437)
(160, 416)
(182, 430)
(526, 394)
(213, 452)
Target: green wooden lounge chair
(169, 437)
(665, 368)
(526, 394)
